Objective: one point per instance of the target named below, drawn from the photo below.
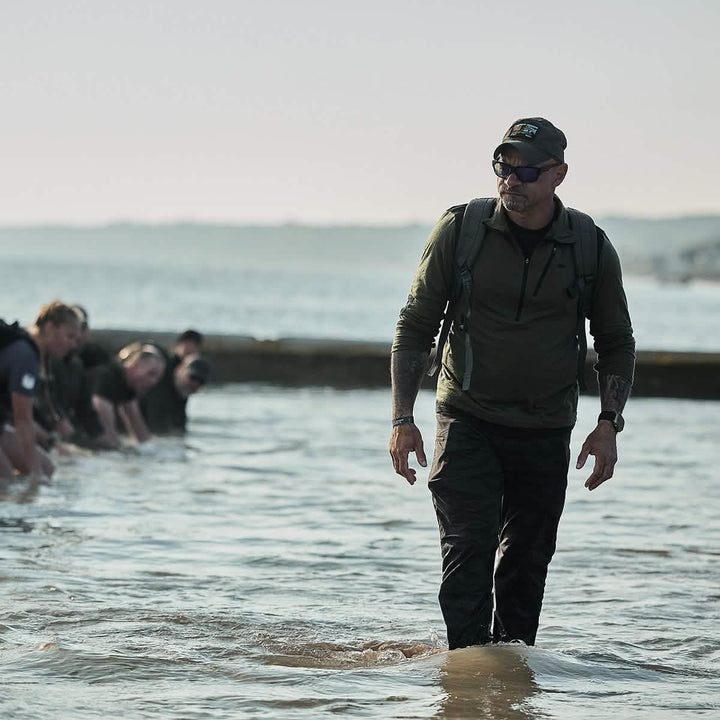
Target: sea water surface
(354, 301)
(271, 565)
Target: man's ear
(560, 173)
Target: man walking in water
(518, 276)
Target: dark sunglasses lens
(527, 174)
(523, 174)
(501, 169)
(198, 380)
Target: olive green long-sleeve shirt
(523, 323)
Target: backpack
(11, 333)
(586, 253)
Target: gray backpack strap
(469, 243)
(586, 251)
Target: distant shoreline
(359, 364)
(670, 249)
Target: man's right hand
(64, 428)
(404, 440)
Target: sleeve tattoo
(614, 392)
(407, 369)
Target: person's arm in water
(106, 412)
(406, 370)
(134, 421)
(64, 428)
(27, 460)
(43, 437)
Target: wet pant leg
(535, 480)
(466, 482)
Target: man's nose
(511, 180)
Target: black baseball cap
(191, 335)
(536, 139)
(199, 367)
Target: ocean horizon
(672, 248)
(270, 282)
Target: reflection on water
(493, 682)
(272, 566)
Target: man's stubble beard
(514, 203)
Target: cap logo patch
(524, 130)
(28, 381)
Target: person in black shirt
(90, 353)
(164, 407)
(55, 333)
(189, 342)
(116, 387)
(63, 407)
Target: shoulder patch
(28, 381)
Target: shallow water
(272, 566)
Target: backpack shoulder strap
(586, 256)
(586, 252)
(468, 245)
(11, 333)
(472, 232)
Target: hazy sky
(332, 111)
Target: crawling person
(164, 407)
(64, 405)
(117, 386)
(189, 342)
(54, 333)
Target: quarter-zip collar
(560, 230)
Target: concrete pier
(351, 364)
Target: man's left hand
(601, 443)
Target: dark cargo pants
(497, 492)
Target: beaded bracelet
(406, 420)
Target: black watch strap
(614, 417)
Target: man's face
(186, 348)
(62, 339)
(144, 372)
(185, 382)
(522, 197)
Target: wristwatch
(614, 417)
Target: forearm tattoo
(614, 392)
(407, 369)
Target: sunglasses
(197, 379)
(523, 174)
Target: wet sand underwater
(271, 565)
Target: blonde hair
(139, 350)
